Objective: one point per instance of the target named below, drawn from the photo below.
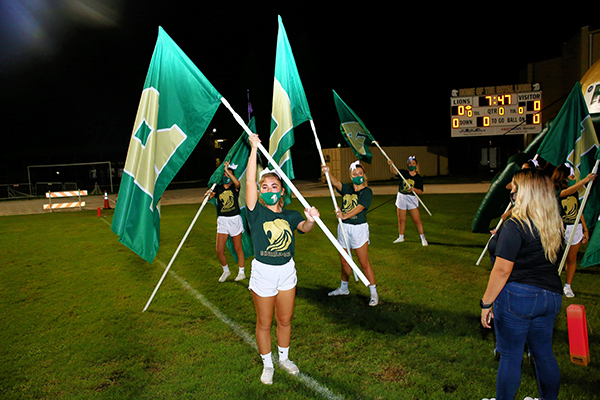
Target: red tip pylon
(106, 205)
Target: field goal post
(110, 174)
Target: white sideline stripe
(307, 380)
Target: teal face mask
(271, 198)
(412, 167)
(358, 180)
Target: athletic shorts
(406, 201)
(267, 280)
(357, 235)
(578, 234)
(231, 226)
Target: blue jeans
(526, 314)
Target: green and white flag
(238, 156)
(354, 130)
(572, 138)
(175, 108)
(290, 107)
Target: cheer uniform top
(352, 198)
(413, 181)
(273, 234)
(227, 201)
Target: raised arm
(334, 181)
(231, 175)
(251, 191)
(572, 189)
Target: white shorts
(406, 201)
(357, 235)
(267, 280)
(578, 234)
(231, 226)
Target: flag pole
(490, 239)
(178, 248)
(299, 196)
(572, 235)
(312, 124)
(403, 178)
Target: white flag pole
(572, 235)
(404, 179)
(299, 196)
(312, 124)
(490, 239)
(179, 248)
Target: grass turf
(73, 326)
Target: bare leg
(416, 217)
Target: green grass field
(72, 324)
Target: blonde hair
(537, 204)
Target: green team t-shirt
(227, 201)
(273, 234)
(351, 199)
(414, 181)
(569, 207)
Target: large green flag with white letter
(290, 107)
(572, 139)
(176, 106)
(354, 130)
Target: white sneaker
(400, 239)
(267, 375)
(424, 242)
(568, 291)
(339, 292)
(224, 276)
(530, 398)
(374, 300)
(241, 276)
(289, 366)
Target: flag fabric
(572, 138)
(238, 156)
(176, 106)
(290, 107)
(354, 130)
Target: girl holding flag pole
(356, 199)
(568, 198)
(229, 220)
(406, 201)
(273, 277)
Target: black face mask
(513, 196)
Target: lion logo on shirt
(349, 201)
(570, 207)
(407, 185)
(226, 199)
(279, 234)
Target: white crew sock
(283, 353)
(423, 237)
(225, 268)
(267, 360)
(400, 236)
(344, 285)
(373, 289)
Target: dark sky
(71, 74)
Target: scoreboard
(487, 111)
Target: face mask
(226, 180)
(513, 197)
(358, 180)
(271, 198)
(412, 167)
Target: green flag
(354, 131)
(238, 159)
(572, 138)
(290, 107)
(175, 108)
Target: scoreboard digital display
(482, 114)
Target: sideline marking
(246, 337)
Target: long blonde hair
(536, 203)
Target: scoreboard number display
(484, 114)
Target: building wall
(433, 161)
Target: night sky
(71, 71)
